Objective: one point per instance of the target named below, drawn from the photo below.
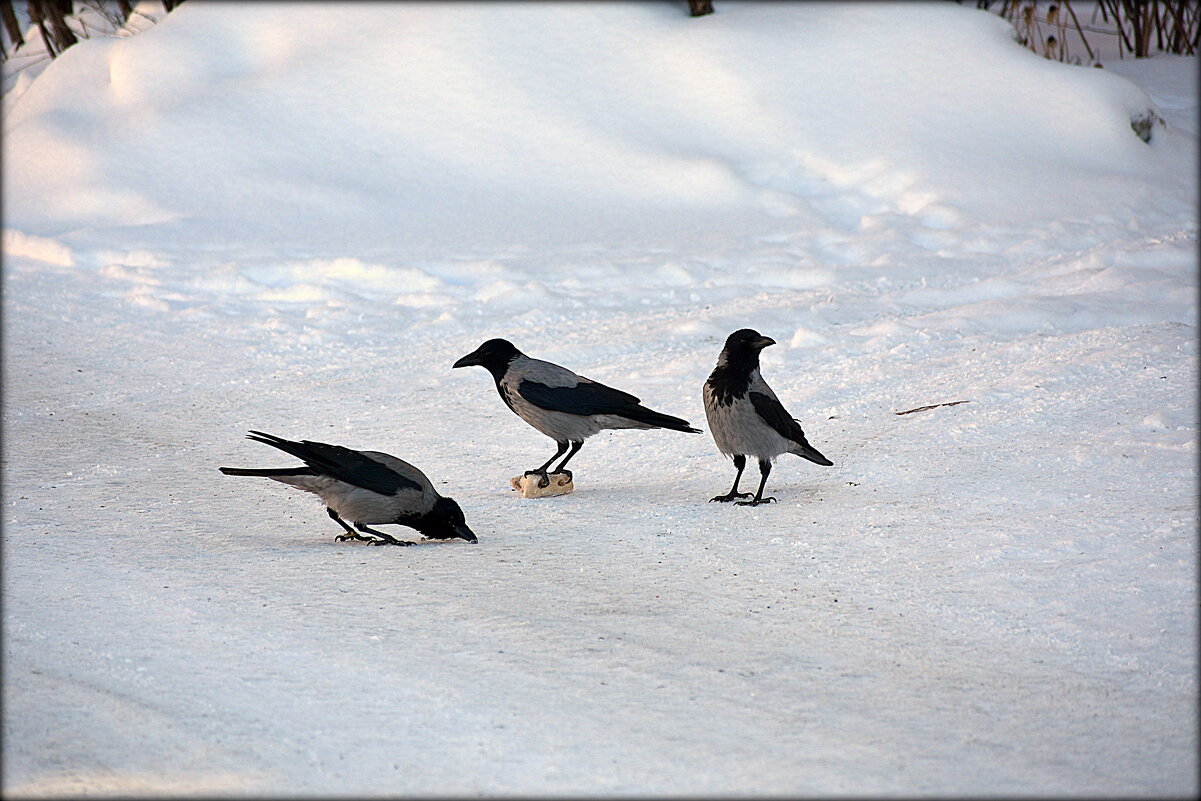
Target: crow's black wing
(586, 397)
(341, 463)
(772, 412)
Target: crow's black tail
(269, 472)
(297, 449)
(642, 414)
(807, 451)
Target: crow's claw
(729, 496)
(354, 537)
(755, 502)
(543, 477)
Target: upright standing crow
(365, 487)
(745, 416)
(564, 406)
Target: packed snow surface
(294, 218)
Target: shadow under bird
(365, 487)
(745, 416)
(564, 406)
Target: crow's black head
(739, 358)
(743, 346)
(495, 355)
(445, 521)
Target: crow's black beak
(465, 533)
(470, 360)
(763, 342)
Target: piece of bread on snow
(527, 486)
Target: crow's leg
(740, 463)
(385, 539)
(575, 447)
(764, 469)
(543, 478)
(350, 532)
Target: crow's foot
(755, 502)
(543, 477)
(729, 496)
(391, 541)
(354, 537)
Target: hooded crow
(745, 416)
(564, 406)
(364, 487)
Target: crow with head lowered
(564, 406)
(745, 416)
(365, 487)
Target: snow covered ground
(295, 218)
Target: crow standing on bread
(564, 406)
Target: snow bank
(448, 127)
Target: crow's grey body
(559, 426)
(745, 416)
(738, 428)
(564, 406)
(368, 506)
(365, 487)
